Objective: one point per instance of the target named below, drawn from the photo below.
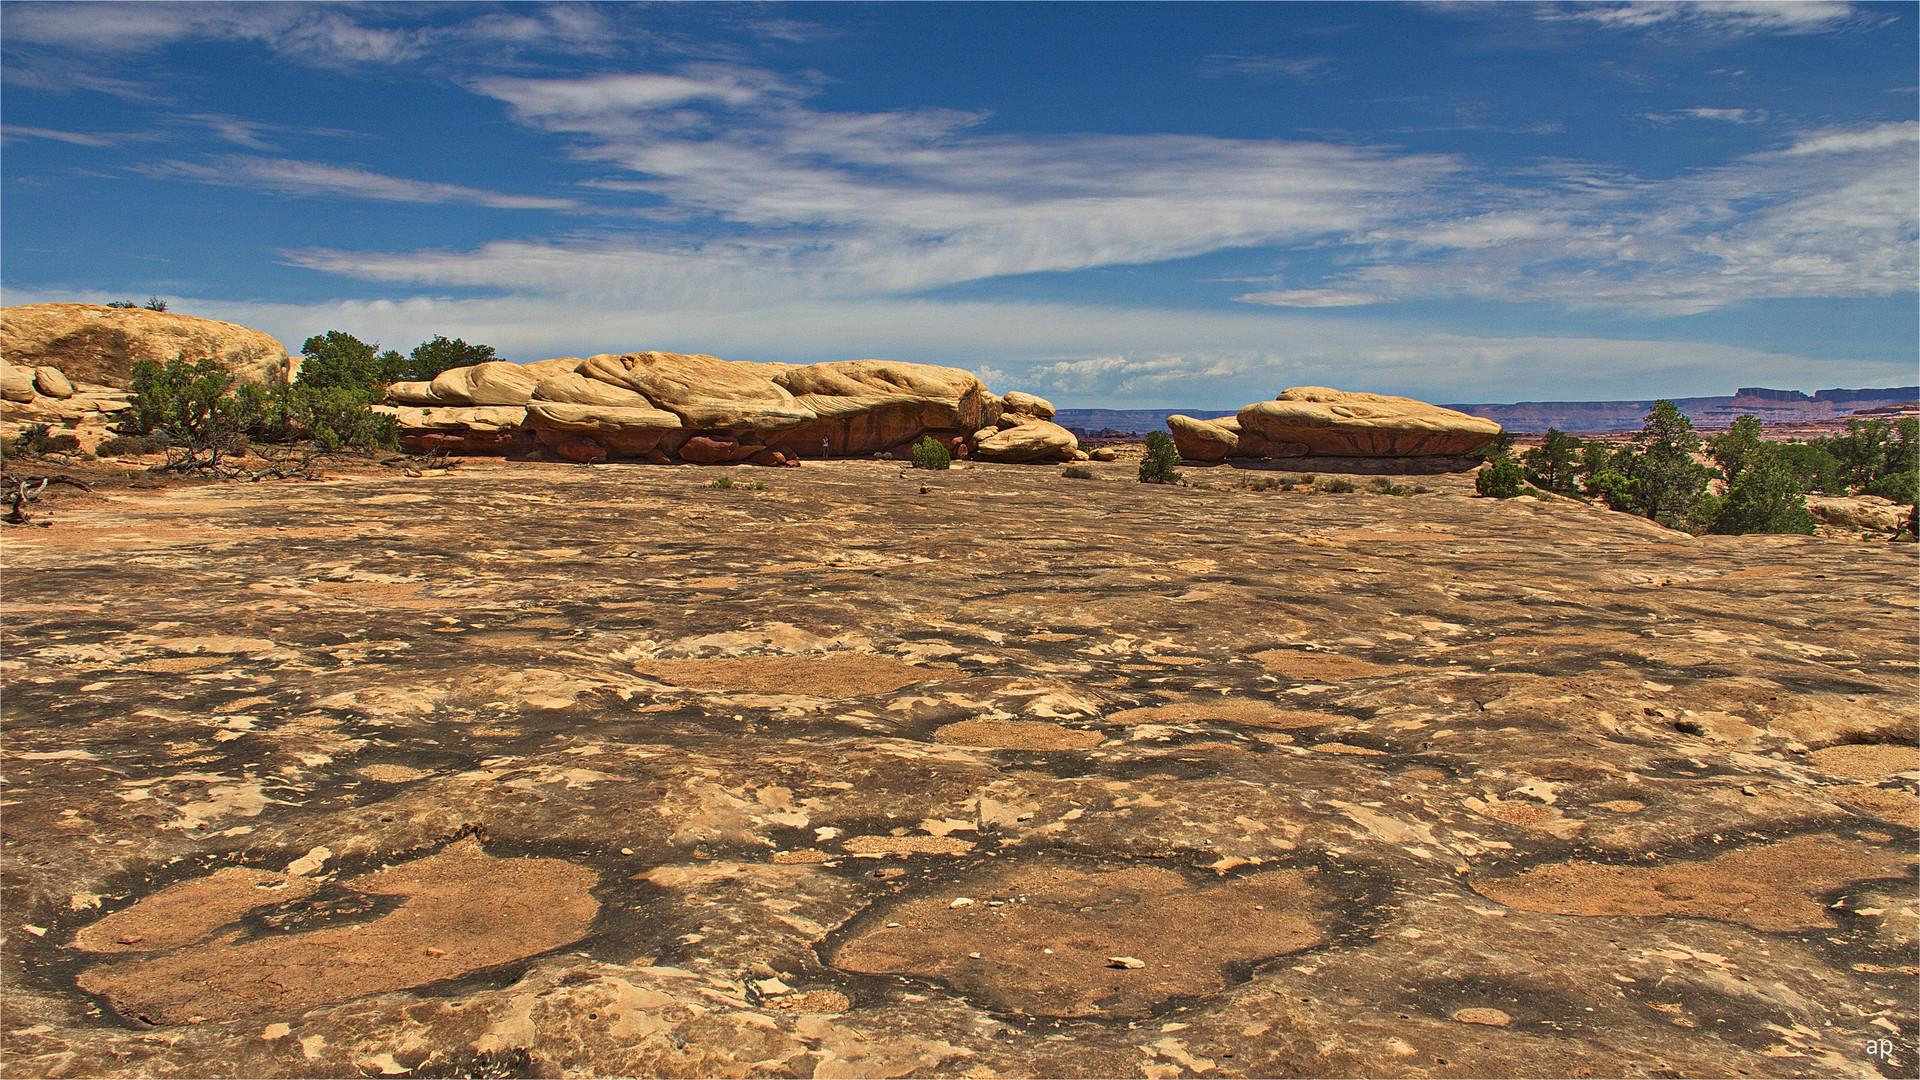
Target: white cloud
(1727, 16)
(1310, 298)
(318, 178)
(1731, 116)
(1090, 356)
(763, 199)
(74, 138)
(1260, 68)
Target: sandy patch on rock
(1230, 710)
(185, 912)
(1321, 667)
(1016, 735)
(835, 675)
(826, 1002)
(908, 845)
(1770, 887)
(393, 774)
(1869, 762)
(173, 665)
(1047, 947)
(1890, 804)
(462, 910)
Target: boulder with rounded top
(1028, 404)
(90, 343)
(1036, 440)
(1203, 440)
(704, 391)
(1349, 424)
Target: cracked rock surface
(548, 770)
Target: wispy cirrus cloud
(759, 194)
(1310, 298)
(1726, 16)
(73, 138)
(1261, 68)
(312, 178)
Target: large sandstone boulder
(1203, 440)
(627, 428)
(16, 383)
(704, 391)
(52, 382)
(100, 345)
(1340, 423)
(1028, 405)
(1036, 440)
(490, 429)
(867, 406)
(689, 407)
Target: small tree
(931, 453)
(337, 359)
(154, 303)
(430, 358)
(1552, 464)
(1157, 466)
(1763, 497)
(1731, 451)
(1669, 480)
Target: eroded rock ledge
(668, 407)
(1315, 421)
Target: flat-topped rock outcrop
(1315, 421)
(96, 344)
(667, 407)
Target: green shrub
(38, 440)
(723, 483)
(1076, 472)
(154, 303)
(931, 453)
(131, 445)
(122, 304)
(1157, 466)
(1499, 449)
(1338, 485)
(1764, 497)
(1499, 479)
(188, 404)
(430, 358)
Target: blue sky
(1134, 205)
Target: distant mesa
(1769, 406)
(1315, 421)
(681, 407)
(97, 345)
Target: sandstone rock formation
(100, 345)
(44, 395)
(688, 407)
(1316, 421)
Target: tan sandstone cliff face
(679, 406)
(100, 345)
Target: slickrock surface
(96, 344)
(554, 770)
(1316, 421)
